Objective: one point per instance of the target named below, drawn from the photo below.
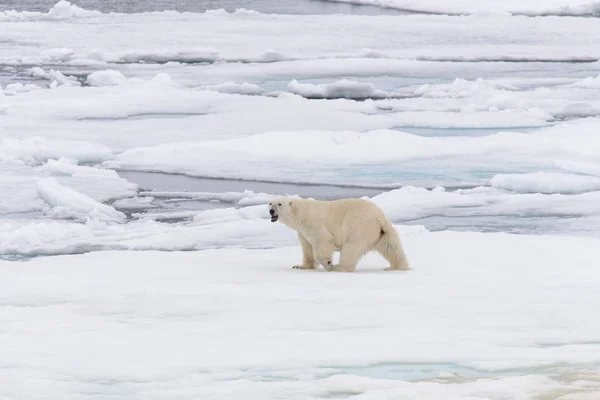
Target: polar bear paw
(328, 265)
(304, 266)
(341, 268)
(402, 268)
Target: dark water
(173, 207)
(263, 6)
(155, 181)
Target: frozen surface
(544, 182)
(340, 89)
(484, 122)
(319, 156)
(470, 321)
(106, 78)
(34, 150)
(68, 203)
(82, 37)
(159, 100)
(244, 221)
(517, 130)
(515, 7)
(266, 6)
(24, 163)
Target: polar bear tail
(390, 247)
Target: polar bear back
(345, 219)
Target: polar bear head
(281, 207)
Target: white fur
(351, 226)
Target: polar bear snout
(273, 211)
(274, 216)
(281, 208)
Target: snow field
(279, 156)
(88, 38)
(243, 322)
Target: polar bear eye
(279, 204)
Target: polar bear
(351, 226)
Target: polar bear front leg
(323, 249)
(324, 254)
(308, 258)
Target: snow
(341, 89)
(545, 182)
(204, 114)
(514, 7)
(237, 88)
(65, 166)
(240, 228)
(106, 78)
(579, 167)
(244, 36)
(68, 203)
(411, 203)
(15, 88)
(19, 193)
(134, 203)
(474, 326)
(61, 10)
(24, 162)
(35, 150)
(245, 198)
(289, 156)
(55, 77)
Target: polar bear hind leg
(390, 247)
(350, 255)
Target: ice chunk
(579, 167)
(36, 150)
(134, 203)
(66, 202)
(340, 89)
(53, 55)
(107, 77)
(237, 88)
(313, 156)
(160, 56)
(65, 166)
(412, 202)
(517, 7)
(15, 88)
(61, 10)
(245, 198)
(54, 76)
(64, 9)
(546, 182)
